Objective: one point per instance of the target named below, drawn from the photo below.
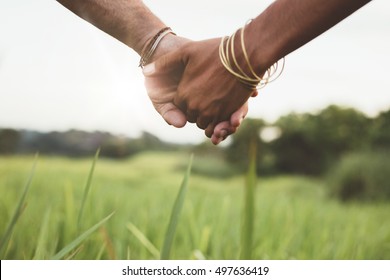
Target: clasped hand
(188, 83)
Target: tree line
(76, 143)
(349, 149)
(310, 143)
(307, 143)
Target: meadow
(294, 218)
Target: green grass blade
(249, 207)
(18, 211)
(128, 254)
(101, 251)
(40, 251)
(175, 215)
(108, 244)
(87, 188)
(80, 239)
(144, 240)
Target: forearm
(287, 25)
(129, 21)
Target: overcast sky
(58, 72)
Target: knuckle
(202, 123)
(192, 107)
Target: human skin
(207, 93)
(132, 23)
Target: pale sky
(58, 72)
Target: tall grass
(172, 225)
(78, 240)
(87, 188)
(44, 230)
(176, 211)
(247, 231)
(18, 211)
(144, 240)
(293, 217)
(43, 237)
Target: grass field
(294, 218)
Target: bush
(362, 176)
(210, 166)
(213, 167)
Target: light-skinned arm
(129, 21)
(132, 23)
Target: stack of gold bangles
(229, 61)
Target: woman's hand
(192, 79)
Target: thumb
(163, 65)
(172, 115)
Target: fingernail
(149, 69)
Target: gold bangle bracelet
(228, 59)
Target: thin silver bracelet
(152, 45)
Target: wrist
(151, 46)
(169, 43)
(253, 64)
(145, 35)
(163, 42)
(260, 48)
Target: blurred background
(322, 132)
(58, 72)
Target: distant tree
(116, 147)
(9, 141)
(343, 129)
(294, 150)
(238, 151)
(380, 137)
(310, 143)
(361, 176)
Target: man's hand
(193, 79)
(162, 98)
(181, 88)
